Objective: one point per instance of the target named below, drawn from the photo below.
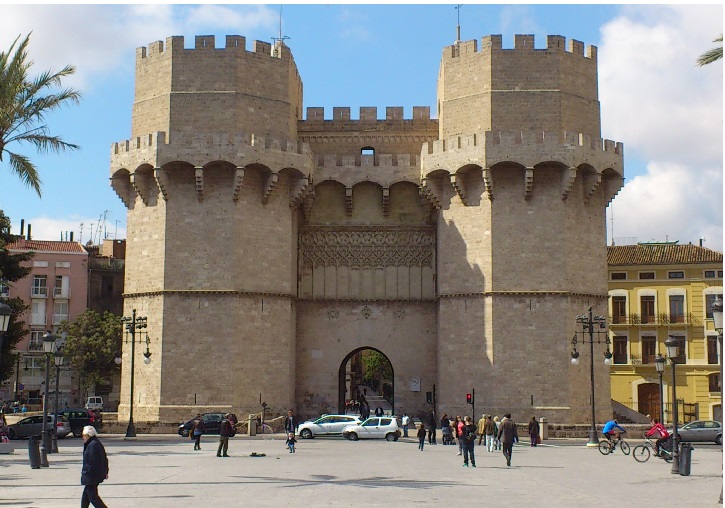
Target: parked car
(212, 423)
(33, 426)
(79, 418)
(375, 427)
(701, 430)
(326, 425)
(94, 402)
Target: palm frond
(712, 55)
(25, 170)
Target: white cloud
(668, 113)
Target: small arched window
(367, 150)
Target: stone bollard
(252, 425)
(544, 429)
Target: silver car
(33, 426)
(326, 425)
(708, 431)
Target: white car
(326, 425)
(375, 427)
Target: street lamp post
(588, 323)
(717, 323)
(58, 359)
(5, 312)
(134, 323)
(672, 350)
(48, 347)
(660, 367)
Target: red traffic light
(469, 398)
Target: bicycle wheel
(605, 448)
(641, 453)
(624, 447)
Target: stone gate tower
(267, 249)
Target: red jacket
(658, 427)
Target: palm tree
(23, 106)
(711, 56)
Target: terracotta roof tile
(661, 254)
(46, 246)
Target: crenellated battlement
(368, 114)
(234, 45)
(523, 44)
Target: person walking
(421, 436)
(508, 434)
(481, 425)
(197, 429)
(225, 431)
(291, 442)
(290, 422)
(496, 440)
(468, 436)
(405, 420)
(432, 427)
(459, 434)
(379, 411)
(490, 430)
(534, 431)
(95, 468)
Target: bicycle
(606, 446)
(642, 452)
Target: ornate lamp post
(58, 359)
(717, 322)
(5, 312)
(660, 367)
(48, 348)
(672, 350)
(134, 323)
(588, 323)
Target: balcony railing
(687, 412)
(61, 292)
(37, 319)
(39, 292)
(58, 318)
(35, 346)
(653, 319)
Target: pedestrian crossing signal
(429, 397)
(469, 398)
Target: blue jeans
(421, 442)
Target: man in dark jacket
(508, 434)
(432, 427)
(225, 431)
(290, 422)
(95, 468)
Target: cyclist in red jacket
(660, 430)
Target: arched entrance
(366, 374)
(649, 399)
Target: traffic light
(469, 398)
(429, 397)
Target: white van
(95, 402)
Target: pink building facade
(56, 290)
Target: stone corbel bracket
(269, 186)
(162, 181)
(138, 187)
(386, 201)
(567, 182)
(459, 183)
(238, 181)
(307, 203)
(528, 183)
(348, 201)
(488, 182)
(429, 192)
(591, 184)
(199, 179)
(298, 191)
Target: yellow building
(657, 290)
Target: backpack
(469, 432)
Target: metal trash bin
(34, 451)
(685, 459)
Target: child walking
(421, 437)
(291, 442)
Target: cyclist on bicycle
(659, 430)
(612, 429)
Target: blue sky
(666, 111)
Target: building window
(714, 382)
(60, 312)
(681, 347)
(619, 349)
(647, 303)
(368, 150)
(62, 264)
(676, 275)
(649, 349)
(619, 275)
(719, 274)
(4, 288)
(37, 313)
(712, 354)
(709, 274)
(677, 308)
(35, 364)
(646, 275)
(62, 287)
(40, 264)
(36, 340)
(709, 300)
(619, 310)
(40, 286)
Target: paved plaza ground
(164, 471)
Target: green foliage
(24, 103)
(92, 343)
(11, 270)
(712, 55)
(376, 366)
